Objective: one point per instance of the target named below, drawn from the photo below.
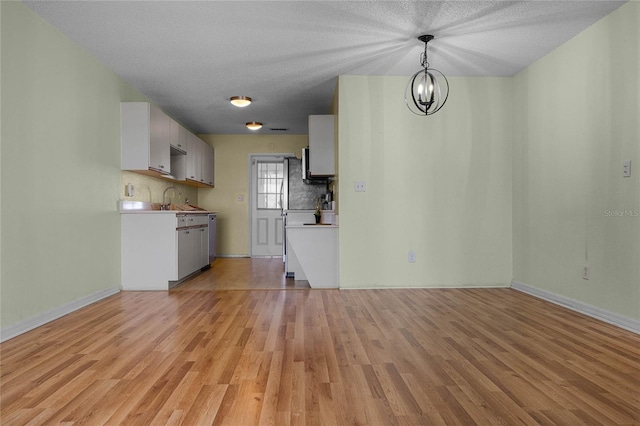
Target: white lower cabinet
(186, 248)
(155, 255)
(193, 250)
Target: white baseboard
(232, 255)
(459, 287)
(629, 324)
(28, 324)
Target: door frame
(251, 201)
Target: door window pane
(270, 179)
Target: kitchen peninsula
(312, 252)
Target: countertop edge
(167, 212)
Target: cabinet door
(178, 138)
(321, 145)
(194, 163)
(134, 135)
(159, 149)
(149, 259)
(201, 148)
(182, 139)
(207, 164)
(186, 240)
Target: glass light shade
(240, 101)
(254, 125)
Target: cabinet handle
(186, 232)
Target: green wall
(577, 118)
(515, 179)
(438, 185)
(60, 169)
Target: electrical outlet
(411, 256)
(585, 272)
(361, 186)
(626, 168)
(240, 198)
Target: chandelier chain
(423, 58)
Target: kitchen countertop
(141, 207)
(166, 212)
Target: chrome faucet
(164, 205)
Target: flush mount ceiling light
(428, 89)
(253, 125)
(240, 101)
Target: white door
(267, 176)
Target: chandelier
(428, 89)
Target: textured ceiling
(189, 57)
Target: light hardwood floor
(322, 357)
(244, 274)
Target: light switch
(626, 168)
(361, 186)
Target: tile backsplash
(150, 189)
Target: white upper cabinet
(178, 139)
(207, 164)
(144, 138)
(321, 145)
(155, 144)
(160, 150)
(199, 161)
(194, 162)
